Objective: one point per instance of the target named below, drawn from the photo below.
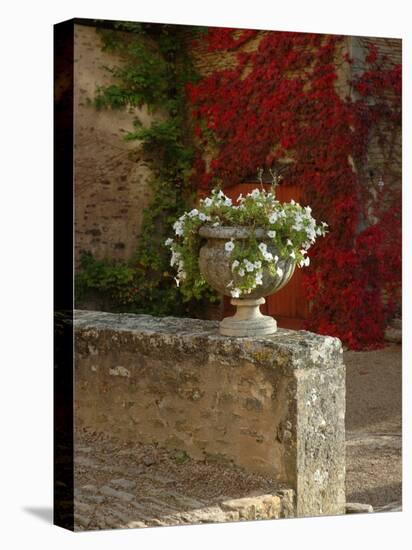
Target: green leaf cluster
(154, 70)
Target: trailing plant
(289, 227)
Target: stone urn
(215, 266)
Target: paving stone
(358, 508)
(123, 483)
(98, 499)
(89, 488)
(83, 507)
(393, 335)
(135, 524)
(261, 507)
(391, 507)
(81, 520)
(110, 492)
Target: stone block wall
(111, 177)
(273, 405)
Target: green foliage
(154, 72)
(104, 276)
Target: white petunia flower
(175, 258)
(208, 202)
(235, 292)
(258, 264)
(272, 234)
(229, 246)
(203, 217)
(273, 217)
(235, 264)
(168, 241)
(255, 193)
(311, 234)
(263, 247)
(268, 256)
(249, 266)
(178, 227)
(258, 278)
(279, 271)
(228, 202)
(241, 272)
(193, 212)
(289, 242)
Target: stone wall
(111, 177)
(273, 405)
(384, 161)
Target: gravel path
(374, 427)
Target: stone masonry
(272, 406)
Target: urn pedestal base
(248, 320)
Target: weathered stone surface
(110, 492)
(125, 484)
(358, 508)
(393, 335)
(391, 507)
(112, 189)
(257, 507)
(273, 405)
(215, 263)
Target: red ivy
(280, 101)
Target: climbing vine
(280, 103)
(155, 70)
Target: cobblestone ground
(120, 486)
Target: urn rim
(231, 232)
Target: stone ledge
(301, 349)
(273, 405)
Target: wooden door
(288, 306)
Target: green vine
(154, 73)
